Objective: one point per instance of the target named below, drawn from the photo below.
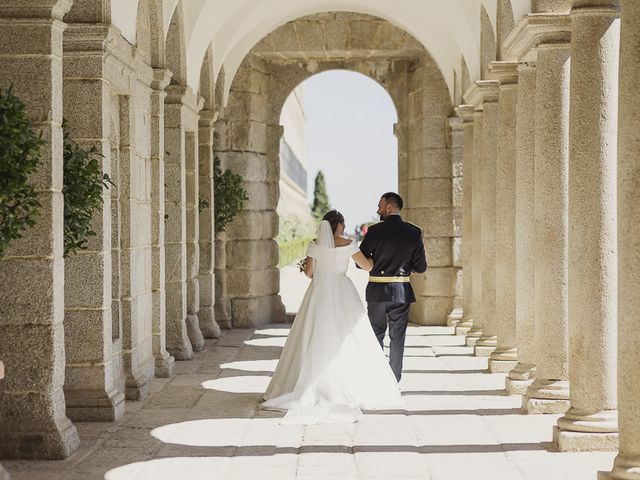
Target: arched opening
(248, 137)
(341, 124)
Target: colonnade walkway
(205, 424)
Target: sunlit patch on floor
(267, 342)
(240, 384)
(238, 432)
(273, 332)
(252, 365)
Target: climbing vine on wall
(83, 186)
(230, 196)
(20, 151)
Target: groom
(397, 250)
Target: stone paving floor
(204, 424)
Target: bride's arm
(365, 263)
(308, 267)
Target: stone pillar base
(547, 396)
(455, 317)
(136, 388)
(473, 336)
(568, 441)
(623, 469)
(44, 445)
(257, 311)
(537, 406)
(94, 406)
(194, 333)
(501, 366)
(461, 330)
(483, 350)
(208, 326)
(503, 360)
(517, 387)
(165, 367)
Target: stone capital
(36, 9)
(481, 92)
(595, 4)
(161, 78)
(184, 95)
(534, 30)
(465, 112)
(83, 37)
(506, 72)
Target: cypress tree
(321, 203)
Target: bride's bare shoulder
(343, 242)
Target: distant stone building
(294, 201)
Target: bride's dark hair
(334, 218)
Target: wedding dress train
(332, 365)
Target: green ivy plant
(230, 196)
(82, 190)
(20, 151)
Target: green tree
(19, 157)
(83, 187)
(321, 203)
(229, 194)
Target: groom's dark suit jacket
(397, 250)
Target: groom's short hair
(394, 199)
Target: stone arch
(248, 139)
(149, 33)
(487, 43)
(504, 25)
(176, 47)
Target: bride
(331, 366)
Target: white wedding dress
(332, 365)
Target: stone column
(178, 343)
(465, 112)
(90, 391)
(3, 473)
(456, 145)
(488, 97)
(592, 421)
(549, 393)
(627, 463)
(505, 357)
(192, 179)
(206, 316)
(522, 374)
(165, 363)
(476, 229)
(33, 423)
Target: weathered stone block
(361, 33)
(438, 282)
(32, 291)
(438, 250)
(457, 192)
(249, 136)
(337, 36)
(253, 312)
(175, 262)
(310, 36)
(88, 280)
(430, 162)
(261, 196)
(285, 38)
(252, 253)
(252, 166)
(435, 222)
(87, 336)
(430, 310)
(456, 247)
(253, 283)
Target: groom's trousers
(396, 316)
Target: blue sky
(349, 136)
